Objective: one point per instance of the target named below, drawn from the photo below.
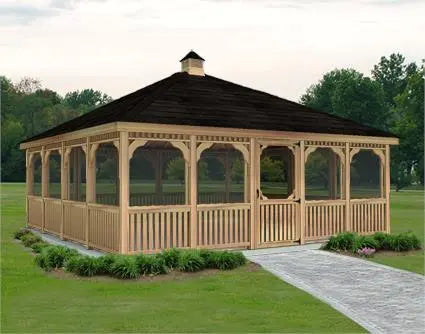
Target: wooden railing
(278, 221)
(154, 228)
(368, 215)
(53, 215)
(223, 225)
(74, 220)
(324, 218)
(35, 211)
(104, 227)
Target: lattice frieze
(158, 136)
(105, 136)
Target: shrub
(83, 265)
(54, 257)
(105, 263)
(21, 232)
(170, 257)
(191, 261)
(29, 239)
(125, 267)
(227, 260)
(343, 242)
(381, 239)
(404, 242)
(37, 247)
(151, 264)
(209, 257)
(366, 241)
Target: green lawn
(236, 301)
(407, 214)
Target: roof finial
(193, 63)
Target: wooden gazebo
(193, 161)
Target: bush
(21, 232)
(170, 257)
(37, 247)
(404, 242)
(29, 239)
(105, 264)
(125, 267)
(366, 241)
(191, 261)
(83, 265)
(208, 256)
(152, 264)
(381, 239)
(54, 257)
(227, 260)
(341, 242)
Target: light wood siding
(152, 229)
(324, 218)
(368, 216)
(74, 221)
(35, 211)
(223, 225)
(103, 229)
(278, 222)
(53, 215)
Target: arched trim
(134, 146)
(242, 148)
(183, 148)
(380, 154)
(353, 152)
(201, 148)
(92, 155)
(339, 152)
(308, 151)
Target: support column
(347, 188)
(186, 182)
(301, 188)
(28, 176)
(64, 185)
(387, 188)
(90, 172)
(124, 190)
(193, 191)
(44, 183)
(246, 187)
(333, 164)
(227, 177)
(253, 194)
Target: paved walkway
(379, 298)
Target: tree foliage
(28, 109)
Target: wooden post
(333, 162)
(64, 191)
(227, 177)
(387, 188)
(246, 176)
(301, 188)
(253, 193)
(187, 182)
(29, 181)
(124, 190)
(44, 184)
(193, 191)
(347, 188)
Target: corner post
(29, 182)
(64, 190)
(193, 192)
(124, 190)
(347, 188)
(302, 191)
(44, 184)
(252, 194)
(387, 188)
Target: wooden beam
(253, 193)
(193, 191)
(64, 185)
(124, 191)
(301, 188)
(387, 188)
(44, 183)
(347, 186)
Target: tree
(86, 99)
(272, 170)
(347, 93)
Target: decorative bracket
(183, 148)
(353, 152)
(201, 148)
(308, 151)
(339, 152)
(242, 148)
(134, 146)
(92, 154)
(380, 153)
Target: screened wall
(221, 175)
(323, 175)
(107, 180)
(157, 175)
(77, 175)
(54, 175)
(277, 177)
(366, 175)
(36, 172)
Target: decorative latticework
(158, 136)
(367, 145)
(105, 136)
(223, 139)
(35, 149)
(324, 143)
(73, 142)
(52, 146)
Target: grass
(240, 300)
(407, 214)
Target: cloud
(23, 14)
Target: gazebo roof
(198, 100)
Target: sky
(278, 46)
